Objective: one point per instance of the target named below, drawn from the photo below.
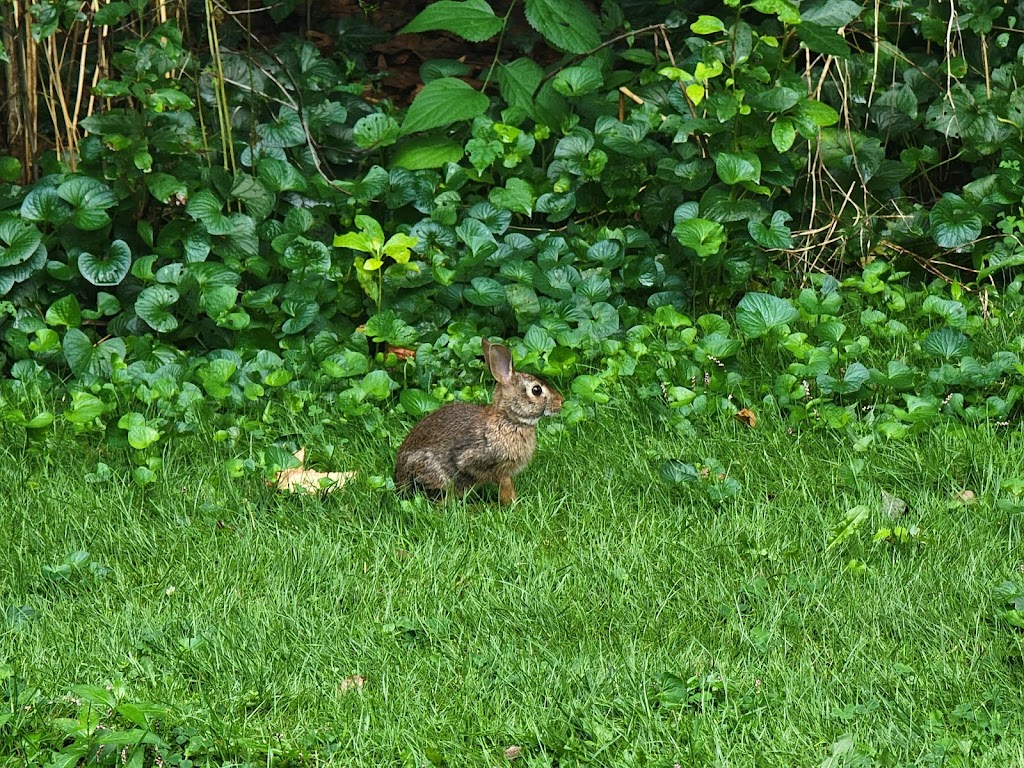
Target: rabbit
(462, 445)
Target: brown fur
(463, 445)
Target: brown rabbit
(462, 445)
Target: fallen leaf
(402, 353)
(513, 752)
(352, 683)
(893, 506)
(308, 480)
(967, 496)
(746, 416)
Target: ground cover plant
(769, 253)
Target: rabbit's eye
(536, 390)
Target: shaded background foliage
(204, 206)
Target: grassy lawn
(607, 618)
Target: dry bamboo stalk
(84, 47)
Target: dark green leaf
(110, 269)
(567, 24)
(703, 236)
(472, 20)
(376, 130)
(954, 222)
(418, 403)
(153, 305)
(441, 103)
(734, 168)
(759, 313)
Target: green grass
(605, 619)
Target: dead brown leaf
(893, 506)
(402, 353)
(513, 752)
(967, 496)
(746, 416)
(352, 683)
(300, 479)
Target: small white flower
(170, 590)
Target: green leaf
(734, 168)
(441, 103)
(258, 200)
(847, 526)
(516, 196)
(164, 187)
(821, 115)
(78, 351)
(90, 197)
(854, 378)
(111, 269)
(387, 327)
(706, 25)
(485, 292)
(348, 362)
(784, 10)
(44, 205)
(954, 222)
(376, 130)
(423, 152)
(301, 313)
(947, 344)
(377, 385)
(437, 68)
(829, 304)
(519, 82)
(309, 256)
(65, 311)
(567, 24)
(153, 305)
(831, 13)
(110, 14)
(577, 81)
(676, 472)
(142, 436)
(279, 175)
(85, 408)
(703, 236)
(777, 99)
(204, 206)
(953, 312)
(472, 20)
(10, 169)
(285, 131)
(19, 242)
(783, 134)
(826, 40)
(418, 403)
(759, 313)
(216, 301)
(775, 236)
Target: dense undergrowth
(247, 229)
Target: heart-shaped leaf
(704, 236)
(153, 305)
(733, 168)
(954, 222)
(443, 102)
(111, 268)
(759, 313)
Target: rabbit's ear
(499, 360)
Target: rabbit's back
(462, 445)
(429, 456)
